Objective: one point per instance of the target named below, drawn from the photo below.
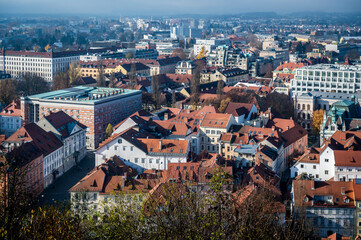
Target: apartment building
(338, 159)
(42, 64)
(30, 160)
(209, 44)
(211, 128)
(94, 107)
(142, 151)
(10, 118)
(49, 145)
(329, 206)
(326, 78)
(70, 132)
(92, 193)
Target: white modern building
(143, 153)
(209, 44)
(42, 64)
(326, 78)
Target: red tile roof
(238, 109)
(113, 176)
(13, 109)
(216, 120)
(165, 146)
(306, 190)
(347, 158)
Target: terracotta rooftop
(311, 155)
(348, 158)
(215, 120)
(12, 110)
(310, 193)
(238, 109)
(113, 176)
(164, 146)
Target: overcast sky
(169, 7)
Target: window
(157, 161)
(326, 160)
(119, 140)
(136, 160)
(131, 148)
(124, 148)
(150, 160)
(326, 172)
(301, 165)
(317, 176)
(143, 160)
(314, 166)
(115, 148)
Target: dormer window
(171, 150)
(347, 200)
(306, 199)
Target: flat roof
(84, 94)
(335, 67)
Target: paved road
(58, 191)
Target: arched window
(308, 106)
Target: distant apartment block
(209, 44)
(326, 78)
(42, 64)
(94, 107)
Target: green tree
(61, 81)
(174, 101)
(129, 55)
(202, 54)
(132, 74)
(220, 87)
(223, 105)
(317, 119)
(156, 92)
(108, 131)
(14, 199)
(51, 222)
(101, 77)
(32, 84)
(73, 73)
(8, 91)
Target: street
(58, 191)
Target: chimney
(343, 191)
(160, 144)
